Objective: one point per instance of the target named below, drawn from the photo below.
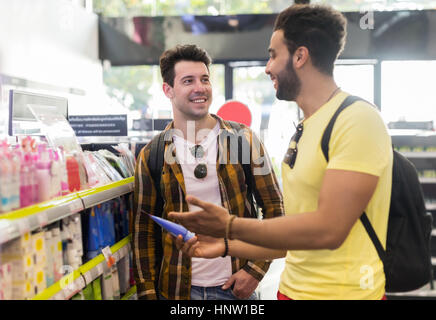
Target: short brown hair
(319, 28)
(170, 57)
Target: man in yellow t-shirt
(328, 253)
(359, 143)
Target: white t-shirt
(205, 272)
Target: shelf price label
(107, 253)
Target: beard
(288, 83)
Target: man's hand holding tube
(211, 220)
(201, 246)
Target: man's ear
(168, 90)
(301, 56)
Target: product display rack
(22, 221)
(71, 284)
(16, 223)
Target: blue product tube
(173, 228)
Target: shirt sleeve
(143, 231)
(266, 191)
(360, 141)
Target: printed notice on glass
(99, 125)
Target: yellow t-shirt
(359, 142)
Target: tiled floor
(267, 289)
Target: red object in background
(73, 174)
(235, 111)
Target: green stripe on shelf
(100, 258)
(129, 293)
(58, 286)
(37, 208)
(106, 187)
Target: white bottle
(107, 285)
(115, 283)
(124, 274)
(56, 175)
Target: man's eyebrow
(185, 77)
(192, 76)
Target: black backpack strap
(155, 165)
(325, 150)
(328, 130)
(375, 240)
(246, 167)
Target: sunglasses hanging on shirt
(291, 154)
(200, 171)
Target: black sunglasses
(291, 154)
(200, 171)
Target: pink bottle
(26, 188)
(43, 175)
(33, 179)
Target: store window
(356, 79)
(272, 119)
(139, 89)
(408, 92)
(129, 8)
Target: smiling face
(281, 70)
(191, 94)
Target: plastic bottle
(73, 173)
(26, 191)
(56, 174)
(107, 285)
(15, 160)
(33, 178)
(5, 183)
(115, 283)
(82, 171)
(43, 175)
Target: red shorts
(281, 296)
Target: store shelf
(95, 196)
(427, 180)
(74, 282)
(16, 223)
(419, 155)
(430, 206)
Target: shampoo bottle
(43, 176)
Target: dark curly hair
(319, 28)
(170, 57)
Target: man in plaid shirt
(198, 162)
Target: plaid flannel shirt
(172, 277)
